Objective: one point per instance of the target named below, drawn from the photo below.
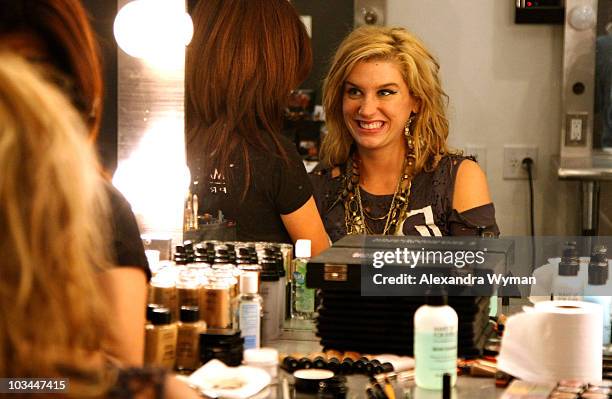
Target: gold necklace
(354, 215)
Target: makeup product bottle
(188, 339)
(215, 304)
(282, 286)
(188, 288)
(270, 286)
(248, 311)
(302, 298)
(567, 284)
(160, 339)
(435, 342)
(162, 292)
(597, 289)
(287, 255)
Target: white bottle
(248, 311)
(435, 343)
(302, 298)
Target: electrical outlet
(513, 158)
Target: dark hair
(64, 28)
(245, 58)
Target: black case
(378, 324)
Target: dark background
(102, 15)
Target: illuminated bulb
(153, 29)
(582, 17)
(155, 178)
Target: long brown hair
(244, 59)
(63, 26)
(420, 72)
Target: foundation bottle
(215, 304)
(188, 288)
(160, 339)
(162, 292)
(188, 340)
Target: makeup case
(349, 321)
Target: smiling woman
(386, 166)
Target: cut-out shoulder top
(430, 204)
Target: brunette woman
(245, 58)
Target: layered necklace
(356, 217)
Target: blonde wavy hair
(420, 72)
(52, 231)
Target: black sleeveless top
(430, 204)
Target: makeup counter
(203, 307)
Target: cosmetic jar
(333, 388)
(263, 358)
(308, 380)
(223, 344)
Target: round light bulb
(153, 29)
(582, 17)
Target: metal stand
(589, 198)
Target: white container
(263, 358)
(435, 343)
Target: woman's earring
(407, 127)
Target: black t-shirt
(126, 241)
(430, 206)
(276, 188)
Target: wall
(504, 84)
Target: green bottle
(302, 298)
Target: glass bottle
(302, 298)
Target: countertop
(298, 336)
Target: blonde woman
(386, 167)
(56, 37)
(56, 319)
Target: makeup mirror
(602, 123)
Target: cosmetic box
(353, 317)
